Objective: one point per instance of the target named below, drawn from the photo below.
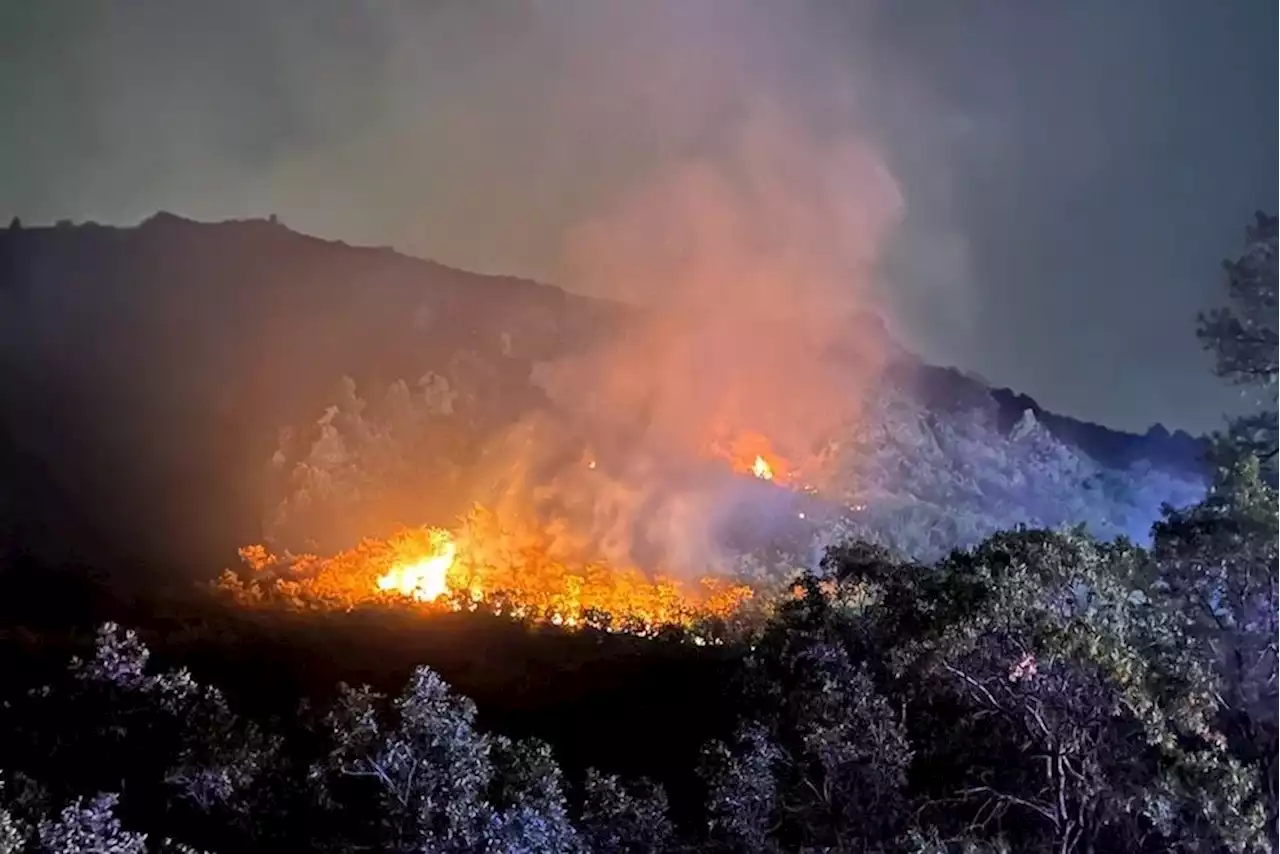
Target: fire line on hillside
(502, 566)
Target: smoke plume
(753, 271)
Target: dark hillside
(158, 362)
(148, 370)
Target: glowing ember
(761, 469)
(427, 578)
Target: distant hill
(147, 372)
(1178, 451)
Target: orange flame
(752, 453)
(517, 572)
(425, 579)
(482, 564)
(761, 469)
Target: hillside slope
(149, 370)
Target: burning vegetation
(753, 453)
(609, 497)
(562, 525)
(483, 565)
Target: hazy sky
(1063, 178)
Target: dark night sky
(1069, 175)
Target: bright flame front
(505, 569)
(752, 453)
(761, 469)
(427, 578)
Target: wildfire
(482, 565)
(521, 572)
(761, 469)
(752, 453)
(427, 578)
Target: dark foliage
(181, 348)
(1042, 692)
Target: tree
(90, 828)
(742, 791)
(427, 780)
(624, 819)
(1243, 338)
(1218, 580)
(1034, 694)
(822, 754)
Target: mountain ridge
(1158, 443)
